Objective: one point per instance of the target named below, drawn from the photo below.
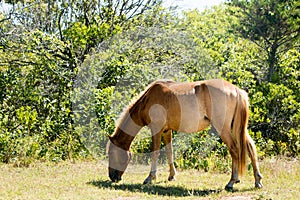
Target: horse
(166, 106)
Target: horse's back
(220, 85)
(189, 105)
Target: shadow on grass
(153, 189)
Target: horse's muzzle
(115, 175)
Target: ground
(89, 180)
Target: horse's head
(118, 161)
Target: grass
(88, 180)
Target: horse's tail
(240, 128)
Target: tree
(274, 25)
(274, 116)
(42, 44)
(80, 25)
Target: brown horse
(186, 107)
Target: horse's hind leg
(169, 151)
(227, 139)
(253, 156)
(155, 151)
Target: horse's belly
(192, 125)
(192, 115)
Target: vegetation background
(68, 69)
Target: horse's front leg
(155, 151)
(169, 151)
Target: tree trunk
(272, 62)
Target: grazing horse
(185, 107)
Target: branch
(59, 24)
(249, 15)
(284, 40)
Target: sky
(192, 4)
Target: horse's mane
(143, 93)
(137, 99)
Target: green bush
(54, 107)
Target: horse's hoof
(258, 185)
(229, 188)
(171, 178)
(148, 180)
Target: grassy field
(88, 180)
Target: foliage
(68, 69)
(206, 152)
(272, 25)
(36, 114)
(274, 119)
(42, 43)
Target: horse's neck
(122, 139)
(126, 132)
